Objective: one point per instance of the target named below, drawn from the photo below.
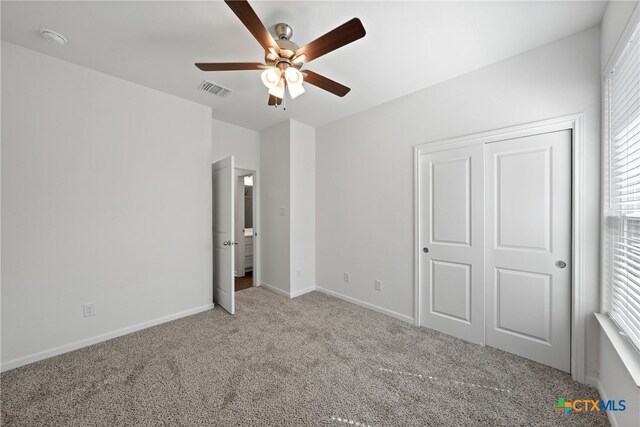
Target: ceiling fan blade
(246, 14)
(230, 66)
(324, 83)
(343, 35)
(274, 100)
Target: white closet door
(451, 272)
(528, 247)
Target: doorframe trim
(575, 123)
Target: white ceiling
(408, 46)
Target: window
(621, 249)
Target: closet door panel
(451, 242)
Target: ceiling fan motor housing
(287, 49)
(283, 31)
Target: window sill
(629, 355)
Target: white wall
(615, 381)
(303, 207)
(232, 140)
(274, 230)
(364, 166)
(106, 195)
(287, 160)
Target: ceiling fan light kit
(294, 82)
(293, 76)
(271, 77)
(295, 90)
(278, 89)
(284, 58)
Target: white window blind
(622, 209)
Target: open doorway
(245, 229)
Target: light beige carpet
(313, 360)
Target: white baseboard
(594, 382)
(355, 301)
(288, 294)
(25, 360)
(275, 289)
(302, 292)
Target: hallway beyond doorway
(244, 282)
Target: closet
(495, 244)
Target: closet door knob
(425, 250)
(561, 264)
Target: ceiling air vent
(213, 88)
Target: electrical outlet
(89, 309)
(298, 273)
(378, 285)
(283, 211)
(347, 277)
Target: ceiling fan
(284, 58)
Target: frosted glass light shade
(278, 89)
(294, 82)
(293, 75)
(271, 77)
(295, 90)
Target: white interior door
(528, 247)
(223, 183)
(451, 242)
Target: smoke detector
(53, 36)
